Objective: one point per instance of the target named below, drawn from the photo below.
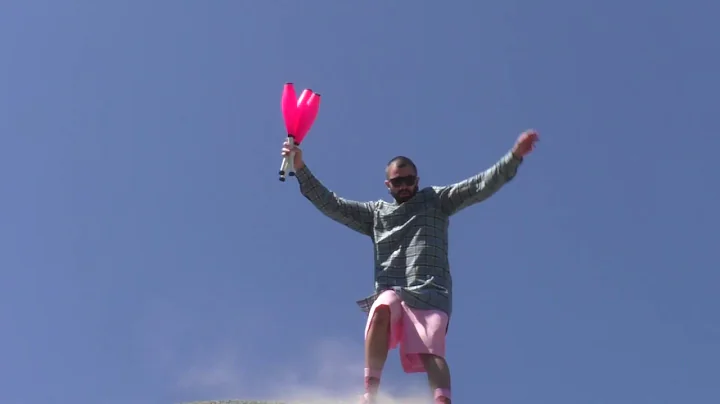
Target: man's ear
(387, 184)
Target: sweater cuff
(303, 174)
(513, 158)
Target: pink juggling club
(299, 117)
(290, 114)
(307, 118)
(289, 108)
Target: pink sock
(374, 373)
(372, 380)
(440, 394)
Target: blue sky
(150, 255)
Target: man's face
(402, 182)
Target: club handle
(288, 163)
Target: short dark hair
(401, 161)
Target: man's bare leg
(377, 345)
(438, 374)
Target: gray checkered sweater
(411, 239)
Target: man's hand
(298, 163)
(525, 143)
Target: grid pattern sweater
(410, 239)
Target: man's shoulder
(430, 193)
(381, 204)
(430, 189)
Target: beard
(404, 195)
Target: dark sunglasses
(408, 180)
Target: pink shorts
(416, 331)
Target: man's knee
(433, 360)
(381, 318)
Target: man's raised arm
(355, 215)
(479, 187)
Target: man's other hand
(525, 143)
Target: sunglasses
(408, 180)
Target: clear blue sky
(150, 255)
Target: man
(412, 302)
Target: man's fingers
(286, 151)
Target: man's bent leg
(381, 334)
(377, 345)
(438, 374)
